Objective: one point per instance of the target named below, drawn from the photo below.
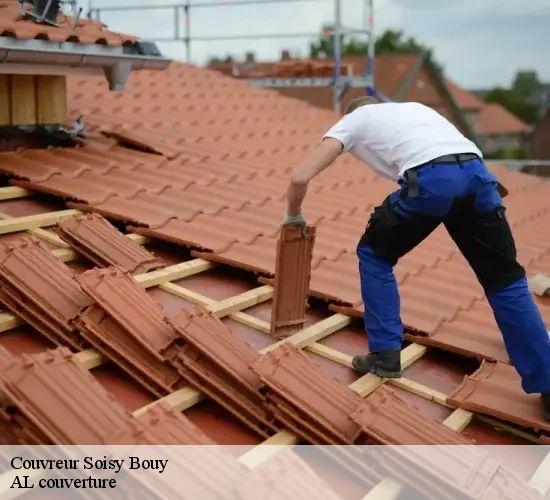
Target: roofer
(442, 179)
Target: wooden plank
(242, 301)
(175, 272)
(11, 192)
(179, 400)
(459, 420)
(34, 221)
(510, 429)
(541, 478)
(43, 234)
(420, 390)
(329, 353)
(387, 489)
(9, 321)
(314, 332)
(370, 382)
(90, 358)
(23, 100)
(5, 104)
(65, 254)
(138, 238)
(251, 321)
(271, 446)
(51, 99)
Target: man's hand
(295, 220)
(319, 159)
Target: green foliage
(508, 154)
(514, 101)
(525, 83)
(389, 42)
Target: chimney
(250, 58)
(285, 55)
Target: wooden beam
(9, 321)
(178, 400)
(90, 358)
(33, 221)
(242, 301)
(271, 446)
(314, 332)
(541, 478)
(22, 100)
(369, 382)
(387, 489)
(51, 99)
(11, 192)
(5, 104)
(420, 390)
(459, 420)
(175, 272)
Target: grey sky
(481, 43)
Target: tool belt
(411, 174)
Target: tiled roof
(494, 119)
(223, 192)
(86, 31)
(207, 169)
(465, 100)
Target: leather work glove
(295, 220)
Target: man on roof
(442, 179)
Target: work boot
(386, 364)
(545, 397)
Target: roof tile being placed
(292, 274)
(495, 389)
(40, 289)
(217, 362)
(61, 400)
(99, 241)
(129, 327)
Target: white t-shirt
(393, 137)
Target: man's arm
(319, 159)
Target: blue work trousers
(465, 198)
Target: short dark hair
(361, 101)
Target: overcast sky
(480, 43)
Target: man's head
(361, 101)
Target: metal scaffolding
(339, 83)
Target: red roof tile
(60, 399)
(464, 99)
(99, 241)
(494, 119)
(292, 274)
(128, 326)
(86, 31)
(217, 362)
(41, 289)
(495, 389)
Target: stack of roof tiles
(129, 327)
(40, 289)
(99, 241)
(48, 398)
(322, 410)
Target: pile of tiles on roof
(101, 243)
(215, 182)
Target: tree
(389, 42)
(515, 99)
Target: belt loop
(459, 161)
(412, 183)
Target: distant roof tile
(494, 119)
(86, 31)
